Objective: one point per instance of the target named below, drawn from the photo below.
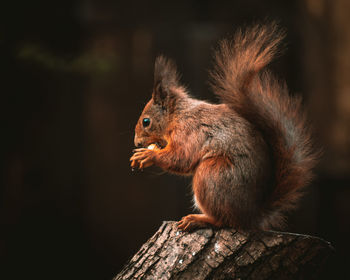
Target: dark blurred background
(75, 76)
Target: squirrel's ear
(165, 77)
(160, 94)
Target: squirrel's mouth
(152, 144)
(158, 144)
(155, 146)
(152, 147)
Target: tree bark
(227, 254)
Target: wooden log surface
(227, 254)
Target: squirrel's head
(167, 95)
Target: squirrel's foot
(142, 158)
(194, 221)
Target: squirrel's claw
(142, 158)
(188, 223)
(195, 221)
(133, 164)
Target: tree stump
(227, 254)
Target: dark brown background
(75, 76)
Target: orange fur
(250, 156)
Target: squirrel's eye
(146, 122)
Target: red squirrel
(250, 155)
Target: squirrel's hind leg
(194, 221)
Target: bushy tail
(240, 80)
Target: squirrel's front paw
(142, 158)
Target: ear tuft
(165, 77)
(165, 72)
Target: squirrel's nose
(137, 142)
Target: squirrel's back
(241, 81)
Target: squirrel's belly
(195, 203)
